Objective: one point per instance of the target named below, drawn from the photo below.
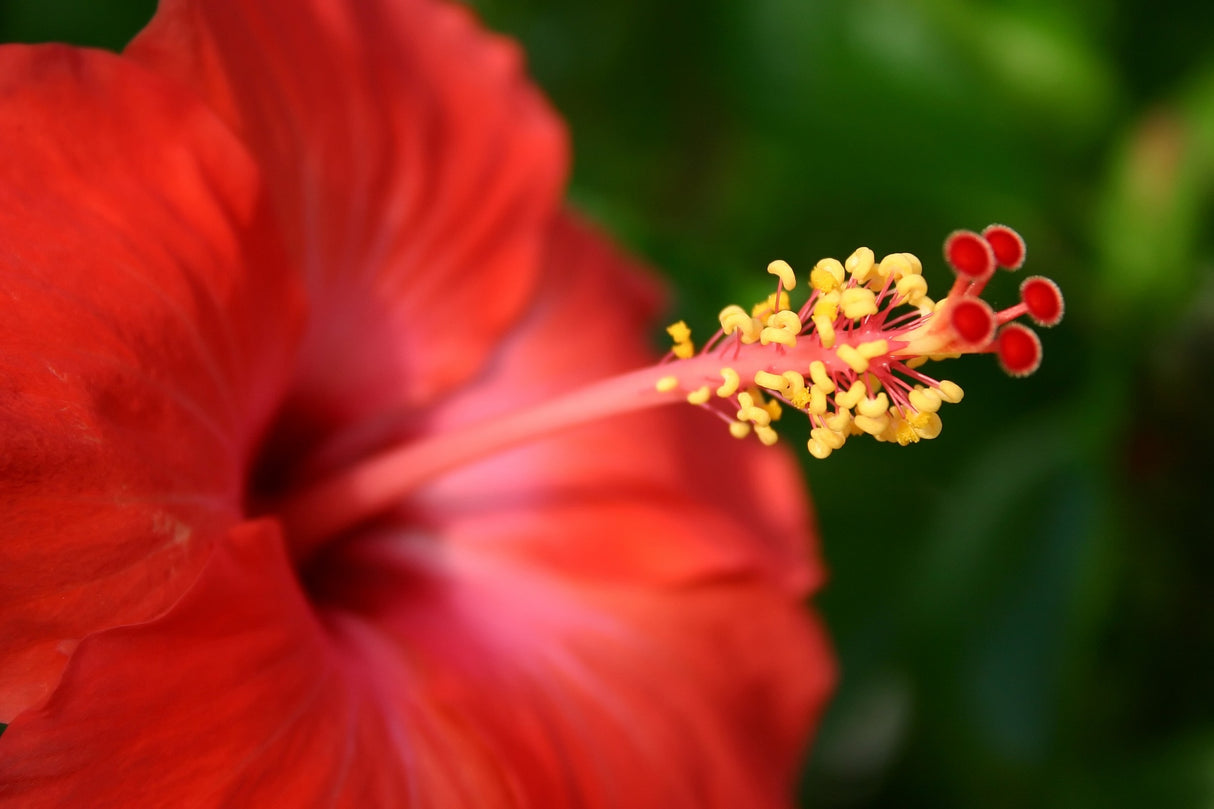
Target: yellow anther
(771, 335)
(840, 422)
(817, 372)
(764, 308)
(854, 394)
(766, 379)
(873, 349)
(897, 265)
(876, 280)
(699, 396)
(873, 406)
(912, 288)
(734, 318)
(916, 266)
(667, 384)
(926, 425)
(751, 408)
(781, 270)
(766, 434)
(890, 433)
(795, 381)
(827, 305)
(904, 433)
(951, 392)
(755, 415)
(872, 426)
(860, 264)
(774, 409)
(854, 359)
(731, 318)
(826, 331)
(679, 332)
(817, 401)
(916, 362)
(739, 429)
(730, 384)
(828, 438)
(785, 319)
(925, 400)
(827, 275)
(858, 302)
(817, 449)
(797, 394)
(751, 331)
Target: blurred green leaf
(105, 24)
(1152, 225)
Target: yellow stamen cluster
(866, 409)
(848, 291)
(848, 358)
(840, 389)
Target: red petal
(232, 699)
(450, 683)
(413, 169)
(600, 696)
(138, 357)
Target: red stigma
(1019, 349)
(1043, 300)
(1007, 246)
(969, 255)
(972, 320)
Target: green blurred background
(1022, 607)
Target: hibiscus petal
(694, 696)
(491, 688)
(232, 698)
(138, 358)
(413, 169)
(674, 496)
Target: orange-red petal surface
(139, 355)
(451, 682)
(412, 167)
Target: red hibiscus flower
(271, 246)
